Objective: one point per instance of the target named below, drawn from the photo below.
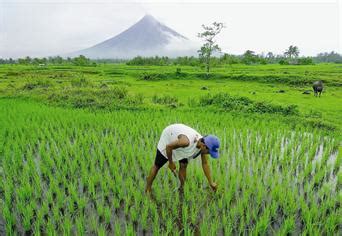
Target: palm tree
(292, 51)
(249, 57)
(270, 55)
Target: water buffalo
(318, 87)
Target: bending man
(181, 143)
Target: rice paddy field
(76, 146)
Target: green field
(117, 85)
(77, 143)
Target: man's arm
(182, 141)
(207, 172)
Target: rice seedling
(50, 228)
(144, 218)
(67, 226)
(101, 230)
(107, 215)
(77, 172)
(117, 228)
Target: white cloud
(340, 25)
(49, 27)
(41, 29)
(259, 27)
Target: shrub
(82, 102)
(80, 82)
(30, 86)
(305, 61)
(94, 98)
(44, 83)
(283, 62)
(165, 100)
(148, 77)
(178, 71)
(119, 92)
(192, 102)
(224, 100)
(135, 100)
(148, 61)
(38, 84)
(228, 102)
(263, 107)
(82, 61)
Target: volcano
(148, 37)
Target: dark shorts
(161, 160)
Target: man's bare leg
(153, 172)
(182, 173)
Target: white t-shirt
(171, 133)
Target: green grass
(75, 171)
(62, 169)
(76, 145)
(92, 86)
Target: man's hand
(207, 173)
(213, 186)
(181, 142)
(172, 166)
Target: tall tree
(270, 55)
(292, 52)
(249, 57)
(210, 45)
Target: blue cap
(213, 143)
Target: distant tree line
(328, 57)
(148, 61)
(77, 61)
(248, 58)
(290, 56)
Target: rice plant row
(65, 171)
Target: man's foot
(181, 193)
(150, 195)
(213, 187)
(148, 190)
